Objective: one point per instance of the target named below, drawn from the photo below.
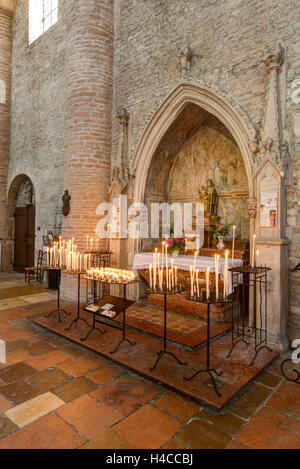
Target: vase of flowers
(175, 246)
(220, 244)
(220, 230)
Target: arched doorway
(21, 202)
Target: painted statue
(212, 198)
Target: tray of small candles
(111, 276)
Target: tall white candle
(207, 283)
(167, 279)
(191, 275)
(226, 275)
(233, 240)
(217, 258)
(197, 282)
(253, 250)
(257, 254)
(150, 275)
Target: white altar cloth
(144, 259)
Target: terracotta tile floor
(57, 394)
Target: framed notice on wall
(268, 209)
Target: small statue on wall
(28, 193)
(66, 203)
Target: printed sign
(268, 209)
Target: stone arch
(21, 219)
(14, 188)
(208, 99)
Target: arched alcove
(208, 100)
(21, 204)
(198, 147)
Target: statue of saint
(28, 194)
(212, 198)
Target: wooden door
(24, 237)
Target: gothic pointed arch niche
(210, 101)
(21, 205)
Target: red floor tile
(49, 432)
(88, 416)
(147, 428)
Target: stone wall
(5, 82)
(38, 115)
(229, 40)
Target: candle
(191, 275)
(172, 270)
(176, 276)
(257, 253)
(253, 250)
(226, 275)
(195, 257)
(207, 283)
(233, 240)
(167, 280)
(150, 275)
(217, 258)
(170, 279)
(197, 282)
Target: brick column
(89, 76)
(5, 85)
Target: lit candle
(253, 250)
(150, 275)
(195, 257)
(207, 283)
(167, 280)
(226, 275)
(233, 240)
(217, 258)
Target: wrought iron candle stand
(286, 371)
(78, 317)
(212, 299)
(166, 291)
(256, 280)
(59, 311)
(97, 316)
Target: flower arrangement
(175, 244)
(220, 230)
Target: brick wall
(5, 85)
(89, 81)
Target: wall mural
(199, 147)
